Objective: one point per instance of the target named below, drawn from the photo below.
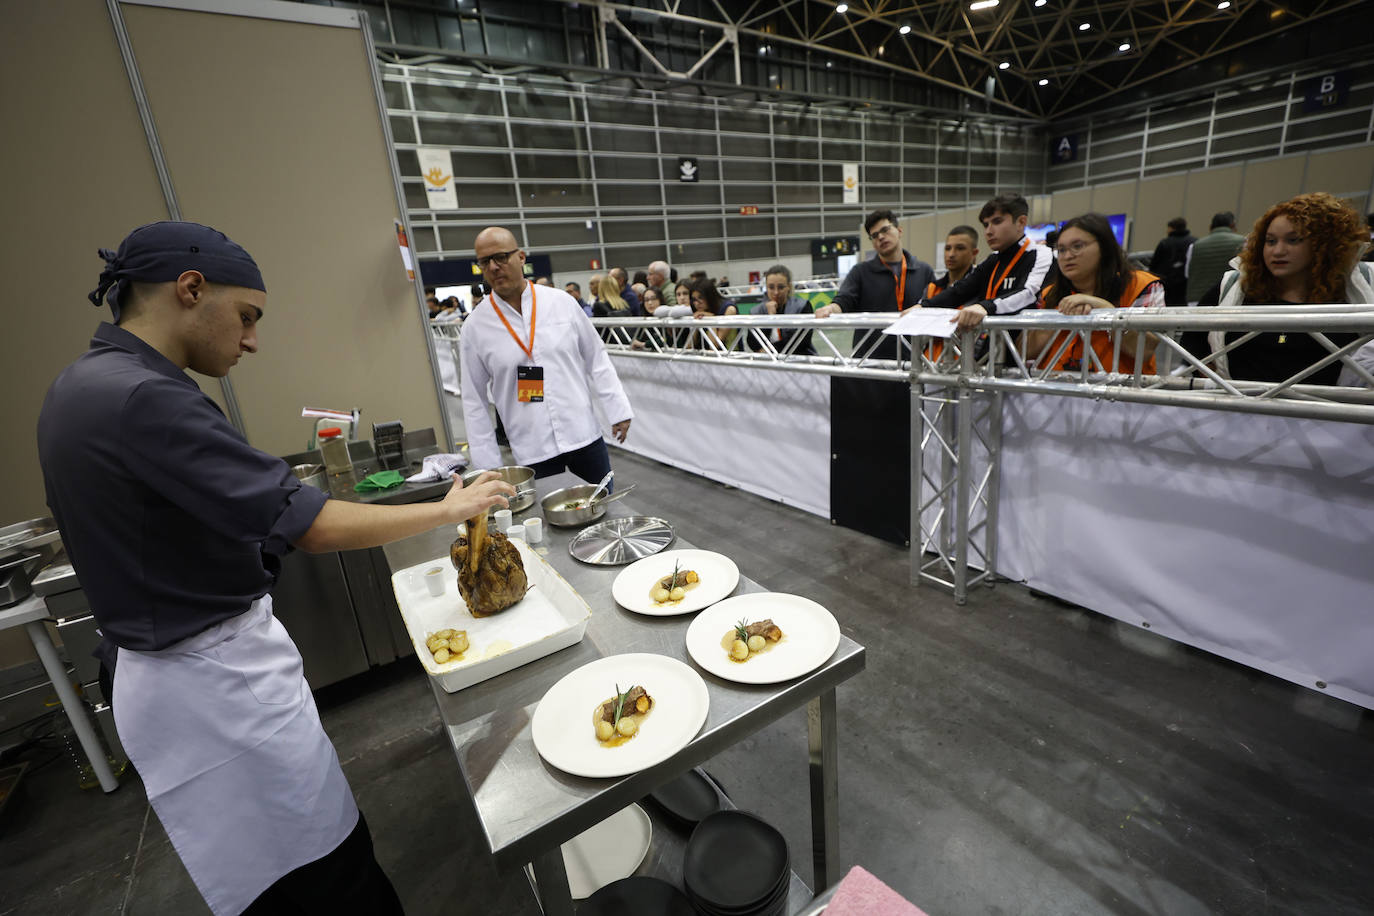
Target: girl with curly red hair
(1304, 250)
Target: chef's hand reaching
(344, 525)
(621, 430)
(477, 497)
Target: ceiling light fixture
(1083, 27)
(1004, 65)
(1040, 3)
(1043, 83)
(1224, 5)
(983, 5)
(904, 30)
(1124, 46)
(841, 7)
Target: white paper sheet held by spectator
(924, 322)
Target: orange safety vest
(1102, 340)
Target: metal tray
(36, 532)
(618, 541)
(551, 617)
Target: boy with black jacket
(1009, 279)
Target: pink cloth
(861, 894)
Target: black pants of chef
(590, 462)
(348, 880)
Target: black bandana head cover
(161, 252)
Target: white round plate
(810, 635)
(719, 576)
(606, 852)
(562, 724)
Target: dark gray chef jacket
(172, 521)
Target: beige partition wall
(1066, 204)
(272, 133)
(918, 236)
(1158, 201)
(1268, 182)
(78, 175)
(1209, 192)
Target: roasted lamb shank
(491, 575)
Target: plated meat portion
(749, 639)
(617, 720)
(491, 575)
(765, 628)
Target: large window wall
(591, 171)
(1243, 121)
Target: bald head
(502, 262)
(499, 236)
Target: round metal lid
(617, 541)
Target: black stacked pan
(636, 897)
(736, 865)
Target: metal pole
(964, 419)
(418, 282)
(994, 446)
(947, 462)
(72, 705)
(824, 771)
(916, 539)
(164, 174)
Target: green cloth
(382, 480)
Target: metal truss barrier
(957, 387)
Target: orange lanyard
(901, 286)
(534, 312)
(995, 282)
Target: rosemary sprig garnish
(740, 629)
(620, 701)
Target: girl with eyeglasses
(1094, 273)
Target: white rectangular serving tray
(551, 616)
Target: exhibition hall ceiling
(1038, 58)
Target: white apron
(224, 731)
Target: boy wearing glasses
(1009, 279)
(891, 281)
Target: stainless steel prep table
(528, 809)
(30, 614)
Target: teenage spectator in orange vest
(1094, 274)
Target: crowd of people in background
(1311, 249)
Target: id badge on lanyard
(529, 378)
(529, 384)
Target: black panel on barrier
(870, 463)
(464, 272)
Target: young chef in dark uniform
(177, 527)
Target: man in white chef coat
(176, 527)
(537, 351)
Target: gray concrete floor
(1014, 755)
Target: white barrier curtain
(1247, 536)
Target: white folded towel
(438, 467)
